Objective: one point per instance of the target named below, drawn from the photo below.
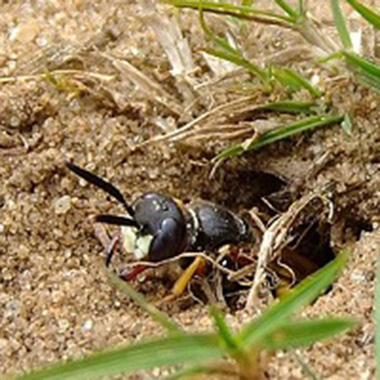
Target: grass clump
(298, 19)
(224, 351)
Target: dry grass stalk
(169, 35)
(151, 88)
(274, 238)
(176, 47)
(223, 110)
(221, 132)
(74, 73)
(218, 66)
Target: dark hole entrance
(354, 227)
(309, 250)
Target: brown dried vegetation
(97, 84)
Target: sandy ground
(55, 303)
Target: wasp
(156, 227)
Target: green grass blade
(305, 333)
(301, 8)
(340, 24)
(367, 13)
(294, 81)
(287, 8)
(242, 62)
(368, 72)
(331, 57)
(243, 12)
(211, 369)
(174, 350)
(280, 133)
(223, 330)
(221, 42)
(302, 295)
(189, 372)
(377, 318)
(155, 314)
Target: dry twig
(273, 241)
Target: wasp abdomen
(212, 226)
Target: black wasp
(157, 227)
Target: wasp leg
(112, 247)
(181, 284)
(129, 274)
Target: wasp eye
(168, 241)
(144, 229)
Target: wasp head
(154, 227)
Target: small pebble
(62, 205)
(87, 326)
(63, 325)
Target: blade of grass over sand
(288, 107)
(371, 16)
(281, 106)
(294, 81)
(174, 350)
(221, 42)
(243, 12)
(287, 8)
(154, 313)
(300, 296)
(340, 24)
(242, 62)
(225, 371)
(377, 318)
(301, 8)
(304, 333)
(247, 3)
(223, 329)
(280, 133)
(368, 72)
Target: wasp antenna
(111, 247)
(101, 183)
(117, 220)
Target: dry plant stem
(170, 37)
(225, 132)
(267, 20)
(223, 109)
(176, 47)
(74, 73)
(294, 53)
(151, 88)
(273, 239)
(149, 264)
(312, 34)
(220, 78)
(214, 168)
(55, 55)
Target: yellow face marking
(134, 244)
